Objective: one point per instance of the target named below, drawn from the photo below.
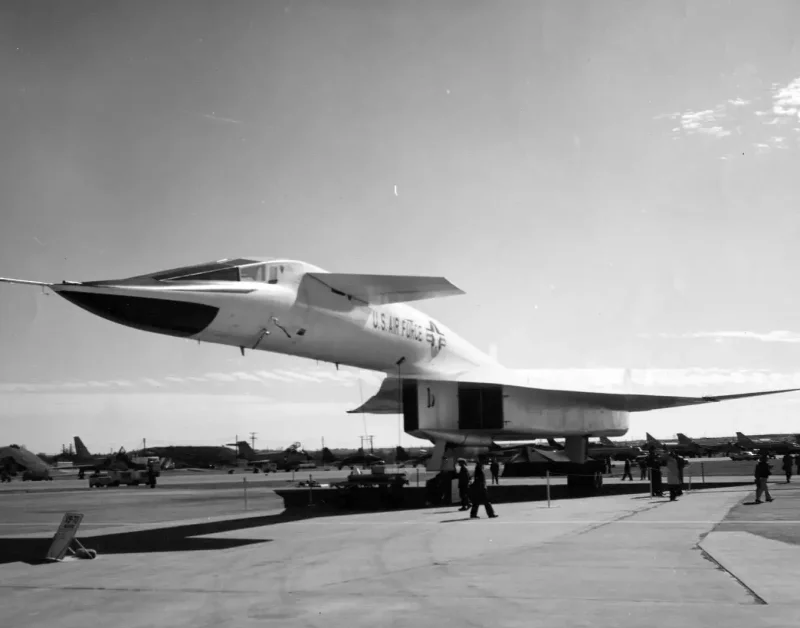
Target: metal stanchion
(690, 483)
(650, 477)
(417, 477)
(292, 475)
(703, 472)
(547, 472)
(310, 490)
(244, 483)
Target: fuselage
(295, 308)
(280, 317)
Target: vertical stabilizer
(80, 449)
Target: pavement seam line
(709, 557)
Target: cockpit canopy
(226, 270)
(270, 271)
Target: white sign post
(65, 536)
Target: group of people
(473, 491)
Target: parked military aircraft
(290, 459)
(605, 449)
(448, 391)
(15, 459)
(772, 447)
(403, 458)
(359, 459)
(702, 448)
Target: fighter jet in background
(448, 391)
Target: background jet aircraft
(16, 460)
(291, 458)
(448, 391)
(359, 459)
(605, 449)
(772, 447)
(704, 448)
(406, 459)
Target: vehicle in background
(744, 455)
(100, 478)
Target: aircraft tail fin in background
(684, 440)
(244, 449)
(80, 448)
(604, 440)
(384, 289)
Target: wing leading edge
(388, 400)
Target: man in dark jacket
(463, 484)
(494, 467)
(627, 470)
(480, 494)
(762, 473)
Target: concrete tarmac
(624, 561)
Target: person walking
(494, 467)
(762, 473)
(787, 467)
(480, 494)
(626, 473)
(463, 484)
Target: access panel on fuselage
(480, 407)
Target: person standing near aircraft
(654, 463)
(762, 473)
(626, 473)
(463, 484)
(494, 467)
(642, 469)
(480, 494)
(673, 476)
(787, 467)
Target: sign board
(64, 536)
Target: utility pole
(369, 440)
(253, 439)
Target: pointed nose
(158, 315)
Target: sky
(612, 184)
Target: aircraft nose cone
(157, 315)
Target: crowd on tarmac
(650, 468)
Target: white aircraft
(448, 391)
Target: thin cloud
(715, 131)
(221, 377)
(772, 336)
(247, 377)
(216, 118)
(300, 376)
(177, 380)
(739, 102)
(786, 99)
(151, 382)
(664, 381)
(273, 376)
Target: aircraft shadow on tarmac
(185, 538)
